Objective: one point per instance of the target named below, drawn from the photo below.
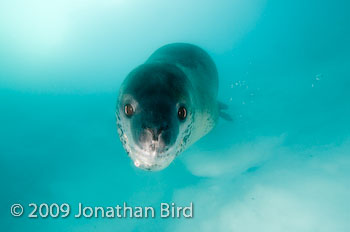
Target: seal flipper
(224, 115)
(222, 106)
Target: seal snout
(154, 139)
(155, 133)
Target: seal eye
(182, 113)
(129, 110)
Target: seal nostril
(153, 132)
(155, 136)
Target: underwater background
(283, 164)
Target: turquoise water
(283, 164)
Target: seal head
(154, 114)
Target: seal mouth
(152, 159)
(155, 146)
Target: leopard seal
(167, 104)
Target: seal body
(167, 104)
